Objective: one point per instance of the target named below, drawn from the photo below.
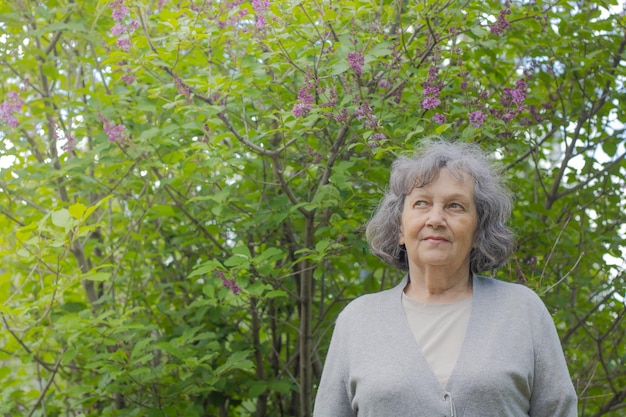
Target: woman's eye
(456, 206)
(419, 203)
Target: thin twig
(564, 276)
(45, 389)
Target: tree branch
(54, 371)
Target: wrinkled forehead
(422, 177)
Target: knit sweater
(511, 362)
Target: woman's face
(439, 223)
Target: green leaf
(77, 210)
(69, 355)
(340, 68)
(149, 133)
(97, 276)
(61, 218)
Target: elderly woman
(445, 341)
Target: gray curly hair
(494, 241)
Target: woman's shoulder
(495, 289)
(373, 303)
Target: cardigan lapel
(473, 354)
(406, 350)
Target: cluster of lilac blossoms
(501, 24)
(477, 118)
(356, 60)
(9, 107)
(512, 101)
(364, 112)
(439, 118)
(120, 11)
(305, 98)
(374, 140)
(229, 283)
(116, 133)
(128, 76)
(515, 95)
(260, 7)
(228, 18)
(432, 89)
(305, 102)
(70, 143)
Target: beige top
(439, 330)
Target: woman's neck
(438, 286)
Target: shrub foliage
(185, 185)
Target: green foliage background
(119, 258)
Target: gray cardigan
(511, 363)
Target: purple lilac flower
(518, 95)
(304, 96)
(128, 78)
(364, 112)
(229, 283)
(501, 24)
(119, 10)
(118, 29)
(432, 73)
(533, 111)
(123, 44)
(430, 103)
(477, 118)
(396, 59)
(116, 133)
(260, 5)
(515, 95)
(317, 157)
(12, 104)
(342, 116)
(385, 84)
(160, 4)
(70, 144)
(508, 116)
(356, 61)
(332, 98)
(431, 91)
(261, 22)
(301, 109)
(119, 13)
(397, 92)
(439, 118)
(375, 139)
(121, 28)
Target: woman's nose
(436, 217)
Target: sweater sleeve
(333, 398)
(553, 393)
